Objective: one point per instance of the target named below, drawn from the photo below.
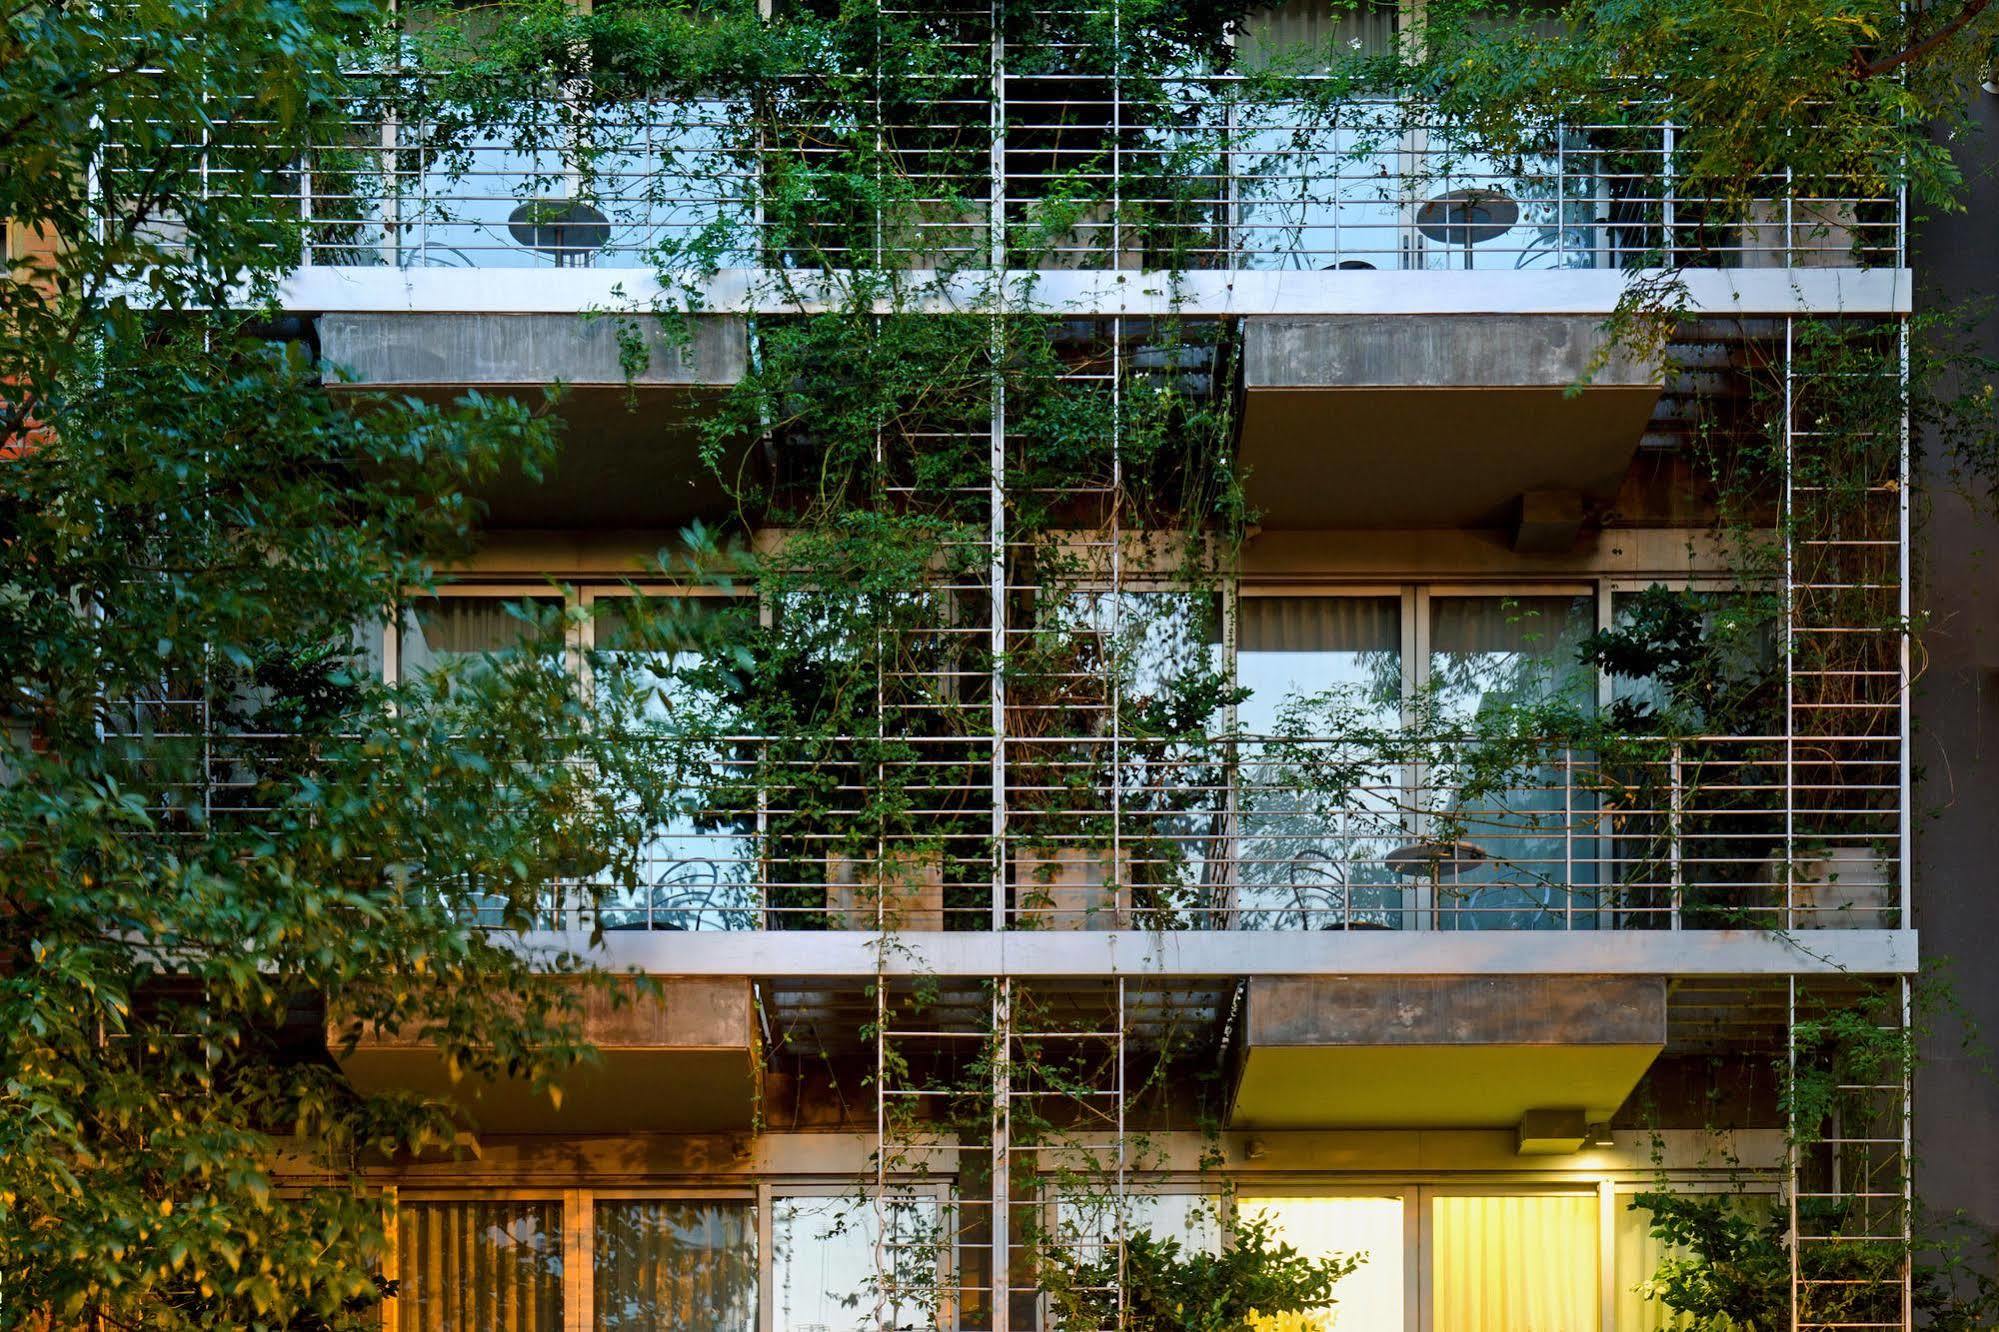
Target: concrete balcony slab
(1438, 421)
(1442, 1051)
(681, 1061)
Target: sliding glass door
(1320, 801)
(1508, 843)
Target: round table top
(1440, 858)
(1467, 217)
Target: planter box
(1069, 888)
(1849, 887)
(902, 892)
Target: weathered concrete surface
(525, 350)
(1431, 351)
(1442, 1051)
(682, 1060)
(1457, 1010)
(1433, 421)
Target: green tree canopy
(222, 836)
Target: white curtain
(1319, 624)
(1316, 25)
(1514, 1264)
(441, 628)
(1369, 1300)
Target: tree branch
(1910, 54)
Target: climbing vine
(979, 679)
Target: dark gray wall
(1957, 734)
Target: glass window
(835, 1266)
(1194, 1219)
(1318, 812)
(659, 655)
(1514, 1264)
(697, 870)
(1337, 651)
(479, 1266)
(1150, 642)
(440, 630)
(1488, 652)
(1370, 1299)
(1512, 848)
(1163, 652)
(682, 1264)
(1738, 650)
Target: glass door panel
(838, 1263)
(479, 1266)
(1510, 843)
(1371, 1299)
(697, 871)
(1320, 805)
(675, 1263)
(1514, 1264)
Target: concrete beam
(1323, 1011)
(528, 350)
(682, 1059)
(1443, 1051)
(1493, 351)
(1219, 953)
(1591, 292)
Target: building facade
(1148, 746)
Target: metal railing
(1293, 834)
(1207, 174)
(1705, 833)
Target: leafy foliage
(1157, 1285)
(227, 847)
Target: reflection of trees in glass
(681, 1264)
(864, 1264)
(479, 1266)
(1144, 668)
(1502, 670)
(657, 669)
(1320, 797)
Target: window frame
(1612, 1193)
(1420, 908)
(482, 590)
(943, 1192)
(578, 1235)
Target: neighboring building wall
(1957, 737)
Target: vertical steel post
(1789, 518)
(996, 460)
(1002, 1167)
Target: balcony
(1210, 176)
(1713, 833)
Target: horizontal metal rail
(1205, 173)
(1231, 833)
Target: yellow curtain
(1369, 1300)
(482, 1266)
(1518, 1264)
(687, 1265)
(1638, 1257)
